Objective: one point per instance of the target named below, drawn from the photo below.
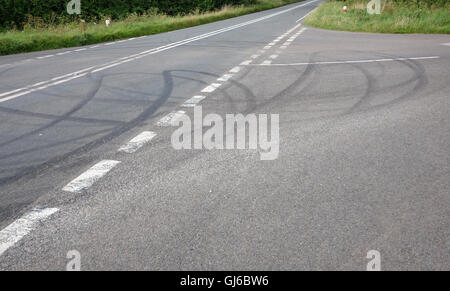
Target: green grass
(394, 18)
(79, 34)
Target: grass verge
(395, 17)
(79, 34)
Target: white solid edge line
(137, 142)
(303, 17)
(14, 232)
(170, 46)
(92, 175)
(349, 62)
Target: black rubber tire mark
(61, 118)
(52, 117)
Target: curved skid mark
(61, 118)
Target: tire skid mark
(419, 77)
(113, 133)
(52, 116)
(304, 77)
(61, 118)
(51, 145)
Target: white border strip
(88, 178)
(193, 101)
(170, 118)
(347, 62)
(14, 232)
(137, 142)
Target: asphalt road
(363, 164)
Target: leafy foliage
(16, 13)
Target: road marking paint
(64, 53)
(273, 57)
(166, 47)
(133, 38)
(349, 62)
(14, 232)
(56, 81)
(272, 43)
(88, 178)
(193, 101)
(80, 50)
(137, 142)
(245, 63)
(109, 43)
(447, 44)
(267, 47)
(211, 88)
(283, 46)
(303, 17)
(113, 65)
(235, 70)
(120, 41)
(40, 88)
(95, 46)
(45, 57)
(170, 118)
(225, 78)
(267, 62)
(255, 56)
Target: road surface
(363, 163)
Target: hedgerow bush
(16, 13)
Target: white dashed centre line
(211, 88)
(171, 118)
(193, 101)
(14, 232)
(137, 142)
(225, 78)
(64, 53)
(88, 178)
(45, 57)
(245, 63)
(235, 70)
